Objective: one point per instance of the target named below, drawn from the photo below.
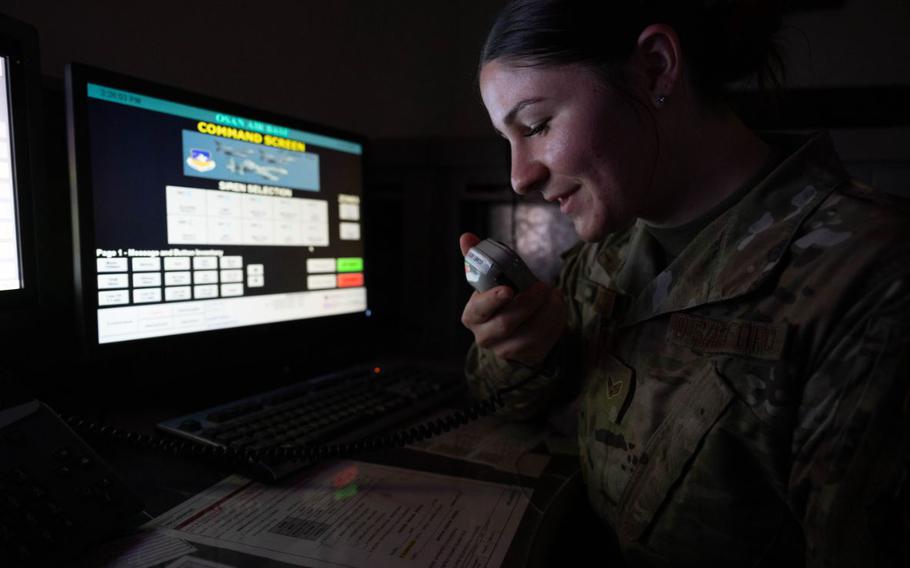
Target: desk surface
(556, 521)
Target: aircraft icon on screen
(271, 173)
(232, 151)
(241, 162)
(277, 159)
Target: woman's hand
(522, 328)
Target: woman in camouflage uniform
(736, 319)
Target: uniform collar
(737, 251)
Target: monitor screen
(196, 215)
(10, 265)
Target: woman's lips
(566, 202)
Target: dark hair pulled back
(724, 42)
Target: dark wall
(385, 69)
(399, 69)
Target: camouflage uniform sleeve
(542, 385)
(851, 445)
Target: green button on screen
(350, 265)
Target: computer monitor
(19, 102)
(196, 218)
(10, 267)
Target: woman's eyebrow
(510, 117)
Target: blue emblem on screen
(200, 160)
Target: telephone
(57, 496)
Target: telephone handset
(57, 496)
(491, 263)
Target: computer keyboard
(336, 408)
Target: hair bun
(732, 40)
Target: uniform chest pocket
(632, 474)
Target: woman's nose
(528, 173)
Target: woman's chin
(587, 232)
(595, 230)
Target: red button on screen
(349, 280)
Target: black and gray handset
(490, 263)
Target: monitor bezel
(77, 76)
(19, 44)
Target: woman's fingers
(466, 241)
(482, 306)
(524, 329)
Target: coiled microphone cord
(309, 453)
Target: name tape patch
(735, 337)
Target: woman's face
(575, 139)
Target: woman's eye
(538, 128)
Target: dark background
(403, 74)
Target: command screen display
(10, 271)
(206, 220)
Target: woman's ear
(660, 57)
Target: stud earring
(661, 99)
